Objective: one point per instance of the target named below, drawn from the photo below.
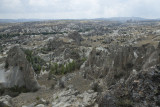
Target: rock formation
(5, 101)
(76, 37)
(20, 72)
(120, 62)
(80, 63)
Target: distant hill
(19, 20)
(123, 19)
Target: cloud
(79, 8)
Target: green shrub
(37, 98)
(62, 69)
(57, 97)
(37, 68)
(52, 68)
(66, 68)
(56, 68)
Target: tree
(62, 69)
(73, 65)
(56, 68)
(67, 68)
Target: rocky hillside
(80, 64)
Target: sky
(78, 9)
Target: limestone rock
(20, 72)
(40, 105)
(5, 101)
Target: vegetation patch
(59, 69)
(37, 98)
(35, 60)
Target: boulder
(5, 101)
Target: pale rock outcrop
(118, 62)
(72, 98)
(20, 71)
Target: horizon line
(72, 18)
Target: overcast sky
(76, 9)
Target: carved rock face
(19, 71)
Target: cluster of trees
(36, 61)
(3, 36)
(59, 69)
